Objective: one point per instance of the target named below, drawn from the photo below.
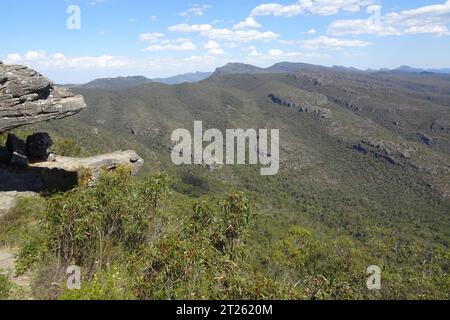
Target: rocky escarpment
(27, 97)
(27, 165)
(303, 107)
(440, 126)
(387, 151)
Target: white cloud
(241, 35)
(153, 18)
(276, 53)
(249, 23)
(212, 45)
(34, 55)
(195, 11)
(95, 2)
(216, 52)
(13, 58)
(208, 31)
(432, 19)
(310, 31)
(62, 68)
(277, 9)
(59, 60)
(179, 40)
(332, 43)
(214, 48)
(85, 62)
(315, 7)
(160, 43)
(184, 46)
(151, 36)
(29, 56)
(254, 52)
(287, 42)
(186, 28)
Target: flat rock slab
(27, 97)
(95, 163)
(60, 175)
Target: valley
(364, 177)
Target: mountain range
(364, 174)
(379, 138)
(133, 81)
(239, 68)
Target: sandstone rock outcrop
(106, 161)
(386, 150)
(27, 97)
(38, 146)
(425, 139)
(441, 125)
(17, 150)
(303, 108)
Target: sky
(78, 41)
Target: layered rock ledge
(27, 97)
(27, 166)
(108, 161)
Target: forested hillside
(364, 180)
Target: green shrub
(66, 147)
(18, 224)
(201, 261)
(5, 287)
(112, 283)
(86, 225)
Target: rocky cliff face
(303, 107)
(27, 97)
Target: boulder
(27, 97)
(38, 146)
(17, 151)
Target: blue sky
(163, 38)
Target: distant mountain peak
(117, 83)
(408, 69)
(183, 78)
(234, 67)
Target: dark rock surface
(17, 151)
(426, 139)
(38, 146)
(440, 125)
(303, 108)
(26, 97)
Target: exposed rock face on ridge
(304, 108)
(27, 97)
(106, 161)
